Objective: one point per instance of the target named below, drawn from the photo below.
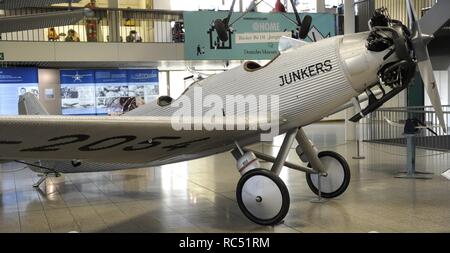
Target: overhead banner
(253, 37)
(106, 91)
(13, 83)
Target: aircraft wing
(42, 20)
(16, 4)
(124, 139)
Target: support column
(114, 21)
(320, 6)
(349, 16)
(349, 28)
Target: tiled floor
(199, 196)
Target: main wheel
(263, 197)
(336, 181)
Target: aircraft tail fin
(30, 105)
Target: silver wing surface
(124, 139)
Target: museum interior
(95, 136)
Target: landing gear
(44, 172)
(263, 197)
(336, 179)
(41, 180)
(44, 177)
(261, 194)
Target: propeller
(221, 25)
(305, 25)
(419, 42)
(221, 28)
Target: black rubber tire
(284, 193)
(345, 183)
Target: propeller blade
(419, 42)
(221, 29)
(297, 17)
(230, 12)
(426, 71)
(413, 25)
(304, 30)
(221, 25)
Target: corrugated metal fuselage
(310, 82)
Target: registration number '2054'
(125, 142)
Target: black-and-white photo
(112, 91)
(69, 92)
(152, 90)
(136, 90)
(33, 90)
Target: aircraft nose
(361, 64)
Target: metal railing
(133, 26)
(365, 8)
(375, 128)
(397, 8)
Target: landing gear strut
(44, 177)
(261, 194)
(45, 172)
(41, 180)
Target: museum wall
(162, 5)
(50, 90)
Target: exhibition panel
(13, 83)
(85, 92)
